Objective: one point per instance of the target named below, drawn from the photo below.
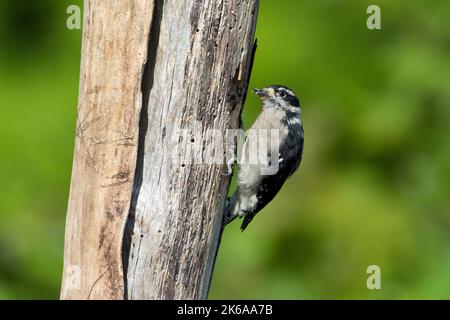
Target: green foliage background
(373, 187)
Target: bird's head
(277, 97)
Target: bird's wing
(271, 184)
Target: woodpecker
(257, 183)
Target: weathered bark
(139, 225)
(200, 74)
(114, 52)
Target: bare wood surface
(115, 43)
(140, 226)
(200, 73)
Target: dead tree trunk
(141, 222)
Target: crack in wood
(95, 284)
(146, 87)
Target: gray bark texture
(141, 223)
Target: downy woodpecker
(256, 184)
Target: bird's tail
(231, 209)
(247, 219)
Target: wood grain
(115, 44)
(140, 225)
(200, 74)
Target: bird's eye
(282, 93)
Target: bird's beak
(260, 92)
(257, 91)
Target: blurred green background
(373, 187)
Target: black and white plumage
(281, 111)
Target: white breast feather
(249, 176)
